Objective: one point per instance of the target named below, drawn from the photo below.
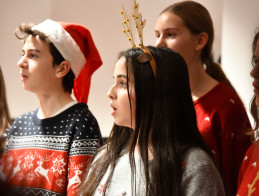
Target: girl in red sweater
(248, 182)
(187, 28)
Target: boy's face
(37, 72)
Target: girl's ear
(202, 41)
(63, 69)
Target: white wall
(240, 19)
(12, 13)
(103, 19)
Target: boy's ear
(63, 69)
(202, 41)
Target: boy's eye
(33, 55)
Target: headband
(139, 24)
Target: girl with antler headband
(155, 147)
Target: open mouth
(113, 110)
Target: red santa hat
(75, 44)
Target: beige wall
(103, 19)
(240, 19)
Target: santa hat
(75, 44)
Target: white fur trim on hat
(65, 44)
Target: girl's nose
(110, 93)
(160, 42)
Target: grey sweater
(200, 177)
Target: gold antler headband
(139, 24)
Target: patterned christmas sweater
(49, 156)
(223, 121)
(248, 182)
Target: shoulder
(84, 122)
(253, 149)
(80, 111)
(77, 114)
(221, 97)
(194, 158)
(226, 103)
(26, 116)
(200, 175)
(228, 95)
(251, 156)
(24, 119)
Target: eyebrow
(121, 76)
(32, 50)
(168, 29)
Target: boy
(48, 149)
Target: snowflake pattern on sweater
(49, 156)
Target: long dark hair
(25, 30)
(197, 19)
(253, 106)
(163, 106)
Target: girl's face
(171, 32)
(255, 73)
(118, 94)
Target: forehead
(120, 67)
(169, 20)
(35, 42)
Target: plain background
(235, 22)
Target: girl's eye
(123, 84)
(171, 34)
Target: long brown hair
(5, 119)
(197, 19)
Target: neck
(200, 81)
(49, 105)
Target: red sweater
(248, 182)
(222, 121)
